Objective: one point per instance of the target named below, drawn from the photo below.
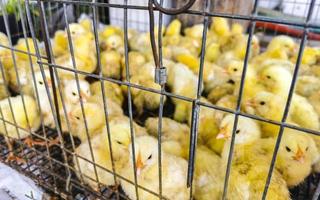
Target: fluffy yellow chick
(25, 77)
(95, 119)
(174, 170)
(113, 42)
(195, 31)
(22, 46)
(109, 30)
(280, 47)
(182, 81)
(208, 127)
(212, 52)
(247, 132)
(309, 56)
(136, 60)
(5, 54)
(247, 181)
(307, 85)
(208, 180)
(112, 91)
(174, 135)
(220, 26)
(145, 99)
(174, 28)
(276, 79)
(111, 64)
(120, 139)
(297, 153)
(27, 118)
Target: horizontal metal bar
(20, 51)
(193, 12)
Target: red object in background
(287, 30)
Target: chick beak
(250, 103)
(225, 72)
(223, 134)
(49, 82)
(299, 155)
(139, 164)
(84, 96)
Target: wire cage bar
(51, 153)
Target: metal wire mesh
(54, 167)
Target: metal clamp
(160, 75)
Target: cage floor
(50, 170)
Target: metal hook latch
(160, 75)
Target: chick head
(247, 131)
(76, 30)
(94, 116)
(275, 76)
(295, 146)
(71, 91)
(146, 152)
(234, 68)
(40, 84)
(265, 103)
(113, 42)
(283, 42)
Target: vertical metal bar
(126, 49)
(195, 106)
(290, 96)
(238, 108)
(161, 104)
(104, 98)
(54, 107)
(72, 54)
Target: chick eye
(235, 69)
(150, 157)
(268, 77)
(40, 82)
(262, 103)
(288, 149)
(78, 118)
(119, 142)
(231, 81)
(238, 131)
(74, 94)
(307, 148)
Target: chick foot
(31, 142)
(11, 158)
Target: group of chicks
(97, 118)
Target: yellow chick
(94, 118)
(27, 118)
(208, 180)
(307, 85)
(174, 170)
(112, 91)
(247, 181)
(247, 132)
(297, 153)
(195, 31)
(182, 81)
(280, 47)
(145, 99)
(109, 30)
(120, 139)
(111, 64)
(276, 79)
(5, 54)
(25, 77)
(60, 43)
(174, 135)
(113, 43)
(309, 56)
(22, 46)
(212, 52)
(208, 127)
(136, 60)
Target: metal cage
(53, 167)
